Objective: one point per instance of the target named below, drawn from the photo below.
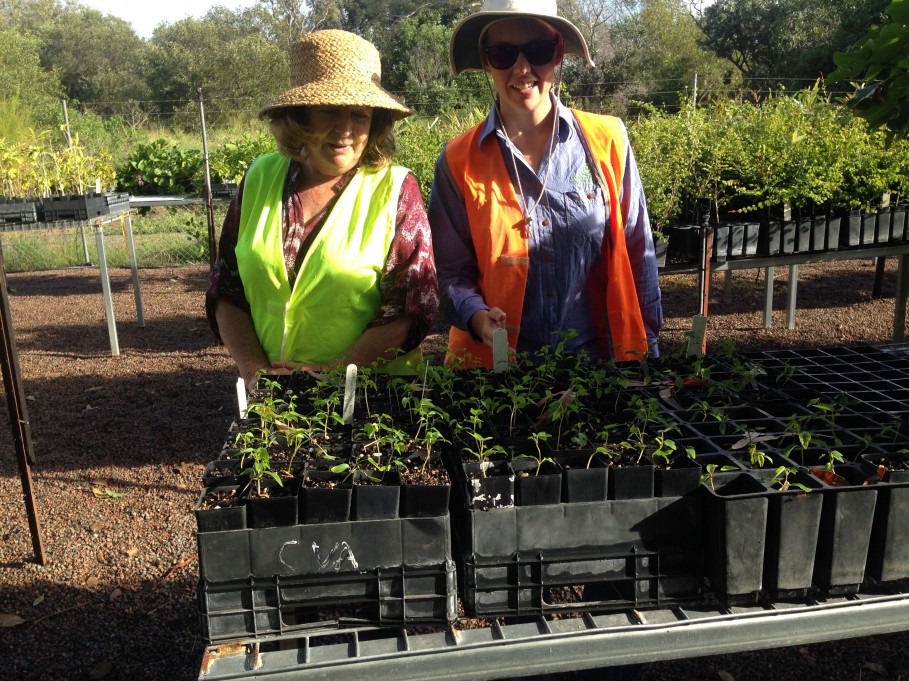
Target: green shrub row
(801, 150)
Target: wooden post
(18, 414)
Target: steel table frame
(542, 644)
(98, 224)
(793, 260)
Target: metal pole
(105, 290)
(69, 139)
(209, 206)
(694, 89)
(18, 415)
(69, 143)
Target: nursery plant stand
(125, 221)
(769, 263)
(541, 644)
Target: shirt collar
(565, 122)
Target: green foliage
(38, 168)
(879, 65)
(783, 42)
(161, 168)
(799, 149)
(230, 160)
(420, 141)
(28, 93)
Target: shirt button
(590, 196)
(548, 258)
(545, 222)
(549, 294)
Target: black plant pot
(536, 489)
(851, 228)
(324, 497)
(869, 229)
(793, 520)
(376, 500)
(220, 508)
(803, 228)
(736, 529)
(721, 241)
(419, 500)
(789, 236)
(489, 485)
(845, 532)
(279, 509)
(580, 481)
(770, 237)
(681, 477)
(899, 214)
(832, 234)
(631, 481)
(888, 552)
(882, 229)
(660, 248)
(223, 472)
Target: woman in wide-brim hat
(325, 256)
(538, 217)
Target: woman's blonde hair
(289, 127)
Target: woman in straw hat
(538, 216)
(325, 254)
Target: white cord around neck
(528, 214)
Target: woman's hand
(484, 322)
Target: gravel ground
(114, 488)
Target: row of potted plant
(656, 438)
(764, 235)
(800, 150)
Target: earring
(304, 152)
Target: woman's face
(336, 137)
(522, 85)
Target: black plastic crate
(259, 582)
(260, 608)
(76, 207)
(116, 201)
(224, 190)
(574, 557)
(554, 582)
(18, 211)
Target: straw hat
(464, 50)
(336, 68)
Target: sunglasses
(537, 52)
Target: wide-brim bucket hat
(336, 68)
(464, 48)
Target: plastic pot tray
(571, 557)
(258, 582)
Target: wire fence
(158, 241)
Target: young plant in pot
(585, 471)
(677, 473)
(425, 485)
(378, 448)
(487, 476)
(538, 479)
(272, 498)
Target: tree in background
(227, 56)
(98, 57)
(878, 64)
(644, 51)
(29, 95)
(783, 43)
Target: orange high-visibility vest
(500, 240)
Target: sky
(145, 15)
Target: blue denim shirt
(565, 239)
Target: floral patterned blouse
(408, 284)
